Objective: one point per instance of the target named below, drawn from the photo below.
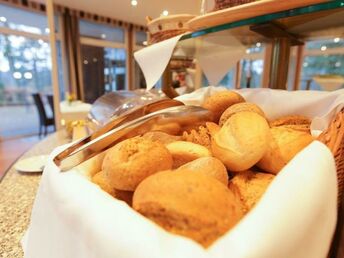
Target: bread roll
(290, 120)
(188, 204)
(184, 152)
(132, 160)
(101, 180)
(202, 135)
(250, 186)
(240, 107)
(220, 101)
(242, 141)
(161, 137)
(209, 166)
(284, 144)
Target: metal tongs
(131, 124)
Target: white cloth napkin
(296, 217)
(216, 53)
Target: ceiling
(123, 10)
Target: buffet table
(17, 193)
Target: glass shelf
(305, 21)
(277, 32)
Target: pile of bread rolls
(199, 183)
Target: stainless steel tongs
(133, 123)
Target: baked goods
(240, 107)
(249, 186)
(242, 141)
(284, 144)
(161, 137)
(167, 27)
(132, 160)
(184, 152)
(101, 180)
(188, 204)
(296, 122)
(209, 166)
(170, 128)
(202, 135)
(290, 120)
(220, 101)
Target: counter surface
(17, 194)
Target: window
(322, 58)
(25, 68)
(140, 38)
(21, 20)
(99, 31)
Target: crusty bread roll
(209, 166)
(296, 122)
(250, 186)
(240, 107)
(184, 152)
(189, 204)
(101, 180)
(161, 137)
(284, 144)
(290, 120)
(220, 101)
(170, 128)
(202, 135)
(132, 160)
(242, 141)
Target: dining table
(17, 194)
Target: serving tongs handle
(90, 146)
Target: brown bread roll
(250, 186)
(290, 120)
(132, 160)
(240, 107)
(209, 166)
(202, 135)
(183, 152)
(161, 137)
(220, 101)
(188, 204)
(101, 180)
(242, 141)
(284, 144)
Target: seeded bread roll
(240, 107)
(101, 180)
(242, 141)
(184, 152)
(209, 166)
(284, 144)
(132, 160)
(219, 102)
(250, 186)
(291, 120)
(161, 137)
(202, 135)
(188, 204)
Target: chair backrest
(40, 107)
(51, 103)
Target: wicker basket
(223, 4)
(333, 137)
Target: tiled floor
(10, 150)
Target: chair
(51, 104)
(44, 120)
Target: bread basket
(333, 137)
